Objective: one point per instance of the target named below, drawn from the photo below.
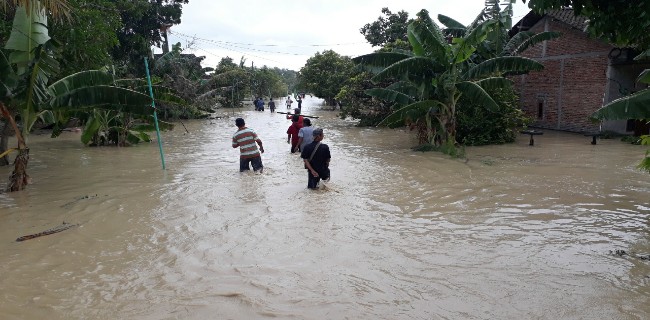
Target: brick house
(581, 74)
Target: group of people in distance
(258, 103)
(300, 135)
(299, 98)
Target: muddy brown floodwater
(514, 232)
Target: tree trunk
(19, 178)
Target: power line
(269, 45)
(229, 49)
(234, 46)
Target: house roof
(564, 15)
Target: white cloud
(286, 33)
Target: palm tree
(432, 78)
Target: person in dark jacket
(272, 105)
(316, 156)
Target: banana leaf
(427, 39)
(390, 95)
(464, 47)
(475, 94)
(635, 106)
(47, 117)
(29, 30)
(450, 23)
(135, 137)
(644, 77)
(494, 83)
(380, 59)
(75, 81)
(91, 128)
(523, 40)
(32, 90)
(162, 94)
(405, 87)
(104, 97)
(8, 78)
(131, 83)
(500, 65)
(397, 118)
(410, 66)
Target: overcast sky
(286, 33)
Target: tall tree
(143, 25)
(388, 28)
(89, 35)
(325, 73)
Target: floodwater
(513, 232)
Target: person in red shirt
(296, 113)
(292, 134)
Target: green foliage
(645, 163)
(231, 83)
(635, 106)
(387, 29)
(289, 78)
(478, 126)
(356, 104)
(25, 83)
(626, 138)
(182, 80)
(442, 73)
(622, 22)
(29, 30)
(267, 82)
(449, 149)
(142, 25)
(229, 86)
(325, 74)
(89, 35)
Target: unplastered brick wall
(573, 81)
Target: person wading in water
(245, 139)
(317, 160)
(272, 105)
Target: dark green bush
(478, 126)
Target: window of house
(541, 105)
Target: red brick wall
(572, 83)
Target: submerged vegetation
(448, 84)
(97, 79)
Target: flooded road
(514, 232)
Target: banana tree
(431, 79)
(498, 43)
(634, 106)
(110, 108)
(24, 75)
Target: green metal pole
(155, 116)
